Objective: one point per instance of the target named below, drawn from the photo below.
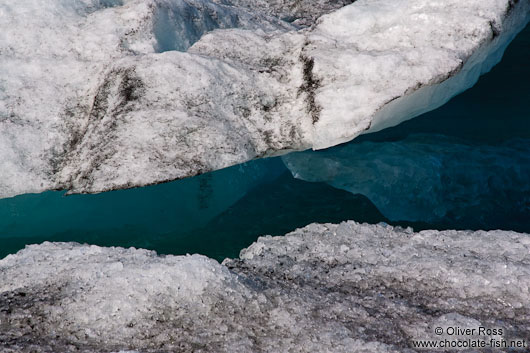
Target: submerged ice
(430, 178)
(341, 288)
(103, 95)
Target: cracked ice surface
(102, 95)
(340, 288)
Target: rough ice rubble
(87, 104)
(300, 13)
(340, 288)
(429, 178)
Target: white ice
(339, 288)
(101, 95)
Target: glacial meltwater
(465, 165)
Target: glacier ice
(343, 288)
(103, 95)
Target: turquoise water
(219, 213)
(215, 214)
